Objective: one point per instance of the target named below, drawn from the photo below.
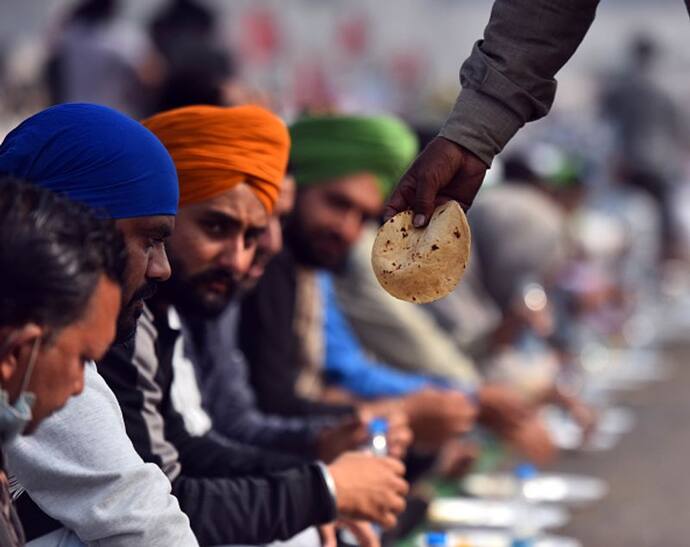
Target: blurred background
(613, 158)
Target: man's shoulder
(92, 415)
(277, 281)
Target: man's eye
(213, 228)
(250, 240)
(338, 203)
(251, 237)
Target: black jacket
(232, 493)
(268, 342)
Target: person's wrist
(473, 394)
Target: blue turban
(96, 156)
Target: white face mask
(15, 417)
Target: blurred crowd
(268, 389)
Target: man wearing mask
(80, 467)
(60, 274)
(231, 162)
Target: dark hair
(198, 80)
(52, 253)
(93, 11)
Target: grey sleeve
(508, 80)
(81, 469)
(229, 399)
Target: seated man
(535, 254)
(60, 275)
(231, 162)
(80, 467)
(292, 330)
(221, 371)
(408, 337)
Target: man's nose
(236, 257)
(158, 267)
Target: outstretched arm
(507, 81)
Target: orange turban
(216, 148)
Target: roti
(421, 265)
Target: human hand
(437, 415)
(583, 414)
(502, 408)
(369, 488)
(328, 534)
(532, 440)
(399, 436)
(443, 171)
(361, 530)
(352, 433)
(455, 459)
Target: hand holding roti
(443, 171)
(422, 265)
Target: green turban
(332, 146)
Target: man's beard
(301, 245)
(132, 310)
(191, 296)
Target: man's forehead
(286, 198)
(361, 190)
(160, 226)
(239, 204)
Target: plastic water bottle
(436, 539)
(378, 444)
(524, 532)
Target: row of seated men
(211, 380)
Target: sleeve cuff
(330, 485)
(481, 124)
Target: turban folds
(217, 148)
(94, 155)
(331, 146)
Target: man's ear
(11, 347)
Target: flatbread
(422, 265)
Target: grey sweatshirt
(81, 469)
(509, 79)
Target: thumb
(424, 202)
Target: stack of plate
(497, 538)
(479, 513)
(572, 490)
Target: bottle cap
(435, 538)
(525, 471)
(378, 426)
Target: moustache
(212, 276)
(145, 292)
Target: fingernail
(418, 221)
